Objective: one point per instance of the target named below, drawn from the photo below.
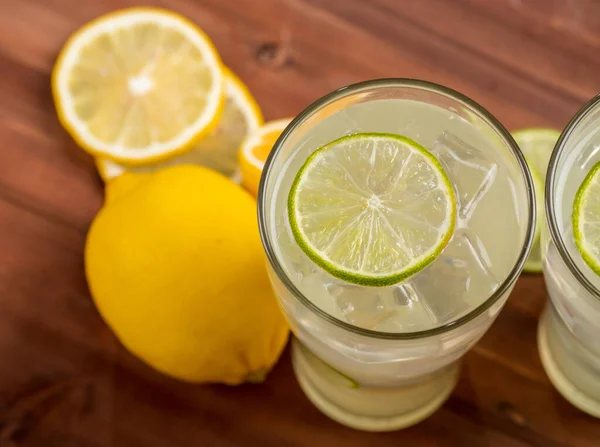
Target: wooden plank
(66, 381)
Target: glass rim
(559, 149)
(422, 85)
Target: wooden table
(65, 380)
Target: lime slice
(327, 371)
(372, 209)
(537, 145)
(586, 219)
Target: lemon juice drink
(396, 216)
(569, 330)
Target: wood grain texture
(65, 380)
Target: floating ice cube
(470, 171)
(410, 314)
(297, 265)
(315, 286)
(458, 281)
(360, 306)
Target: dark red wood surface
(64, 378)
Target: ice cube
(410, 314)
(470, 171)
(315, 285)
(297, 264)
(458, 281)
(360, 306)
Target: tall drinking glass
(569, 330)
(383, 358)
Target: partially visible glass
(385, 358)
(569, 330)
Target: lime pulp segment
(372, 209)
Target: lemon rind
(235, 88)
(135, 157)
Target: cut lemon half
(138, 85)
(372, 209)
(255, 150)
(537, 145)
(241, 117)
(586, 219)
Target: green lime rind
(328, 370)
(350, 382)
(358, 278)
(592, 261)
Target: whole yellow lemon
(176, 268)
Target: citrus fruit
(123, 184)
(372, 209)
(254, 152)
(138, 85)
(586, 219)
(176, 268)
(218, 150)
(537, 145)
(533, 264)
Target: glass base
(367, 408)
(564, 386)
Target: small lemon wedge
(255, 150)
